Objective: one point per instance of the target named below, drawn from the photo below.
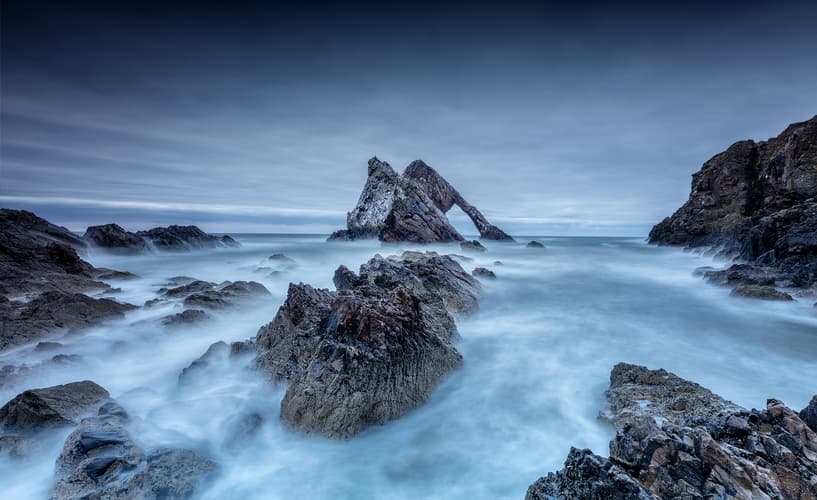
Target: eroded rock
(49, 407)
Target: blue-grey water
(537, 361)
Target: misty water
(537, 358)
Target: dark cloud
(578, 119)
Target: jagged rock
(112, 238)
(472, 246)
(370, 351)
(218, 351)
(37, 256)
(55, 406)
(481, 272)
(51, 312)
(717, 451)
(809, 414)
(445, 196)
(187, 289)
(636, 392)
(757, 202)
(181, 238)
(760, 292)
(186, 317)
(535, 244)
(588, 476)
(410, 207)
(228, 295)
(101, 460)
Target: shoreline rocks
(409, 207)
(373, 349)
(113, 238)
(677, 439)
(755, 202)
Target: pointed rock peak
(376, 165)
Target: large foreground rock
(686, 442)
(101, 460)
(370, 351)
(756, 201)
(409, 207)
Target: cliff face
(757, 201)
(410, 207)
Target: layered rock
(409, 207)
(756, 201)
(676, 439)
(40, 264)
(100, 459)
(113, 238)
(371, 350)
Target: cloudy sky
(553, 120)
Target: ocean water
(537, 358)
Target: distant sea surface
(537, 359)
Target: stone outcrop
(409, 207)
(676, 439)
(445, 196)
(483, 272)
(113, 238)
(760, 292)
(756, 201)
(373, 349)
(52, 312)
(56, 406)
(100, 459)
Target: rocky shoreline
(756, 203)
(676, 439)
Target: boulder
(760, 292)
(472, 246)
(482, 272)
(534, 244)
(56, 406)
(409, 207)
(756, 201)
(710, 449)
(100, 459)
(227, 295)
(370, 351)
(52, 312)
(112, 238)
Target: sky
(552, 118)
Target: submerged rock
(229, 295)
(686, 442)
(409, 207)
(56, 406)
(535, 244)
(186, 317)
(370, 351)
(472, 246)
(100, 459)
(756, 201)
(481, 272)
(760, 292)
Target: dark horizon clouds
(580, 119)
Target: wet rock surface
(409, 207)
(53, 312)
(49, 407)
(709, 449)
(100, 459)
(186, 317)
(226, 295)
(113, 238)
(370, 351)
(760, 292)
(756, 201)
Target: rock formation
(40, 261)
(113, 238)
(370, 351)
(100, 459)
(676, 439)
(756, 201)
(409, 207)
(57, 406)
